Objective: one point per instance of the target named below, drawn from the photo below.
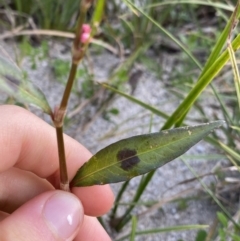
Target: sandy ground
(132, 120)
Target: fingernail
(63, 214)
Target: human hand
(31, 209)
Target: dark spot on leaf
(128, 158)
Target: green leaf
(134, 227)
(137, 155)
(235, 237)
(201, 84)
(164, 230)
(136, 101)
(15, 84)
(223, 219)
(230, 151)
(201, 235)
(98, 13)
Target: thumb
(51, 216)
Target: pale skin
(29, 179)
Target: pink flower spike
(86, 28)
(85, 37)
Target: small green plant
(35, 54)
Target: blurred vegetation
(47, 14)
(188, 30)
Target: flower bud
(86, 28)
(85, 34)
(85, 37)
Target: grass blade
(168, 229)
(230, 151)
(216, 51)
(200, 86)
(137, 101)
(235, 72)
(134, 226)
(211, 194)
(98, 13)
(219, 5)
(163, 30)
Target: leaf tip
(217, 124)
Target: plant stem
(68, 88)
(78, 51)
(64, 182)
(58, 118)
(77, 54)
